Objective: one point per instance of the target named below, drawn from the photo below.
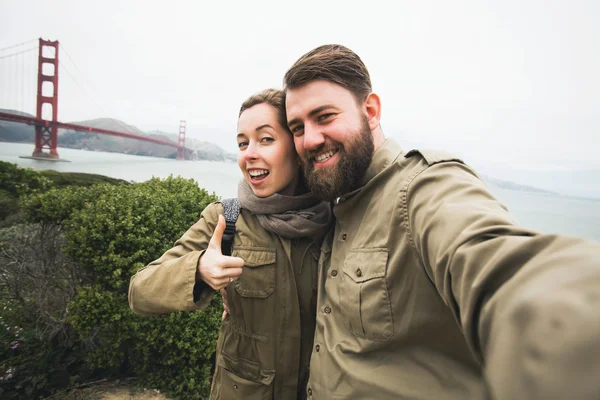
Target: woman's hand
(226, 310)
(214, 268)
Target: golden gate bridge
(46, 130)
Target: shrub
(16, 183)
(37, 345)
(9, 204)
(171, 352)
(21, 181)
(103, 234)
(63, 179)
(126, 227)
(111, 231)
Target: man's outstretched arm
(528, 304)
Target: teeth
(258, 172)
(325, 156)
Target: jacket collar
(385, 155)
(382, 158)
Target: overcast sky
(508, 85)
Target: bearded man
(428, 287)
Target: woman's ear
(373, 109)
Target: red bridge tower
(46, 136)
(181, 141)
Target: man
(428, 288)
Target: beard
(355, 156)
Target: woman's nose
(251, 152)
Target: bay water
(541, 212)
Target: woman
(265, 342)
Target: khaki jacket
(429, 289)
(264, 346)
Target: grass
(61, 179)
(125, 389)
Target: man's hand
(214, 268)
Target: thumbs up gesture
(214, 268)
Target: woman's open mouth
(258, 175)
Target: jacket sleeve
(528, 304)
(169, 283)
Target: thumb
(217, 237)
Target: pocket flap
(365, 264)
(255, 256)
(246, 369)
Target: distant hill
(515, 186)
(110, 124)
(15, 132)
(200, 150)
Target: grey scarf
(287, 216)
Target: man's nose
(313, 137)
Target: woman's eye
(267, 140)
(242, 145)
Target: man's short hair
(333, 63)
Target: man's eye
(297, 130)
(324, 117)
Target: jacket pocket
(237, 378)
(364, 296)
(259, 272)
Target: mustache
(324, 148)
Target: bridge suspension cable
(19, 52)
(17, 76)
(81, 87)
(19, 44)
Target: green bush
(120, 231)
(31, 366)
(56, 206)
(171, 352)
(21, 181)
(16, 183)
(108, 232)
(126, 227)
(39, 350)
(9, 204)
(63, 179)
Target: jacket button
(358, 272)
(317, 348)
(235, 387)
(344, 236)
(334, 272)
(327, 310)
(309, 391)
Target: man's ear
(373, 109)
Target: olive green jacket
(264, 346)
(429, 289)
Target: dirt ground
(110, 390)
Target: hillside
(515, 186)
(202, 150)
(15, 132)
